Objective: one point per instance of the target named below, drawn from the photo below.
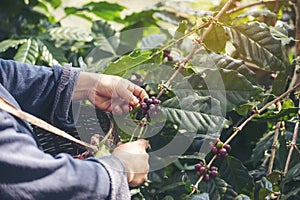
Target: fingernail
(135, 100)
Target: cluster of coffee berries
(151, 106)
(137, 79)
(167, 55)
(207, 173)
(221, 149)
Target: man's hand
(135, 160)
(107, 92)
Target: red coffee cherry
(227, 147)
(223, 151)
(214, 173)
(215, 149)
(206, 177)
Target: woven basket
(91, 121)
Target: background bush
(252, 47)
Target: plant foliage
(228, 72)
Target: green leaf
(257, 13)
(282, 34)
(171, 18)
(282, 150)
(180, 30)
(274, 178)
(216, 39)
(280, 83)
(220, 189)
(227, 86)
(263, 145)
(242, 197)
(293, 173)
(291, 183)
(103, 9)
(84, 16)
(140, 19)
(71, 10)
(106, 10)
(287, 111)
(106, 43)
(255, 41)
(127, 62)
(50, 54)
(55, 3)
(129, 39)
(294, 193)
(70, 33)
(224, 61)
(102, 28)
(10, 43)
(264, 188)
(28, 52)
(244, 109)
(202, 196)
(194, 114)
(225, 18)
(168, 197)
(234, 172)
(103, 149)
(104, 52)
(154, 40)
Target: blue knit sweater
(26, 172)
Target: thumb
(144, 144)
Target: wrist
(86, 83)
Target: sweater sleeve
(42, 91)
(29, 173)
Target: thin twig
(191, 54)
(141, 132)
(253, 4)
(110, 131)
(293, 143)
(275, 10)
(201, 177)
(133, 133)
(274, 147)
(239, 128)
(196, 47)
(260, 111)
(297, 149)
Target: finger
(134, 101)
(131, 93)
(123, 90)
(138, 180)
(117, 110)
(138, 91)
(125, 108)
(144, 144)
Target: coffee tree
(222, 116)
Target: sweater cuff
(61, 115)
(118, 177)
